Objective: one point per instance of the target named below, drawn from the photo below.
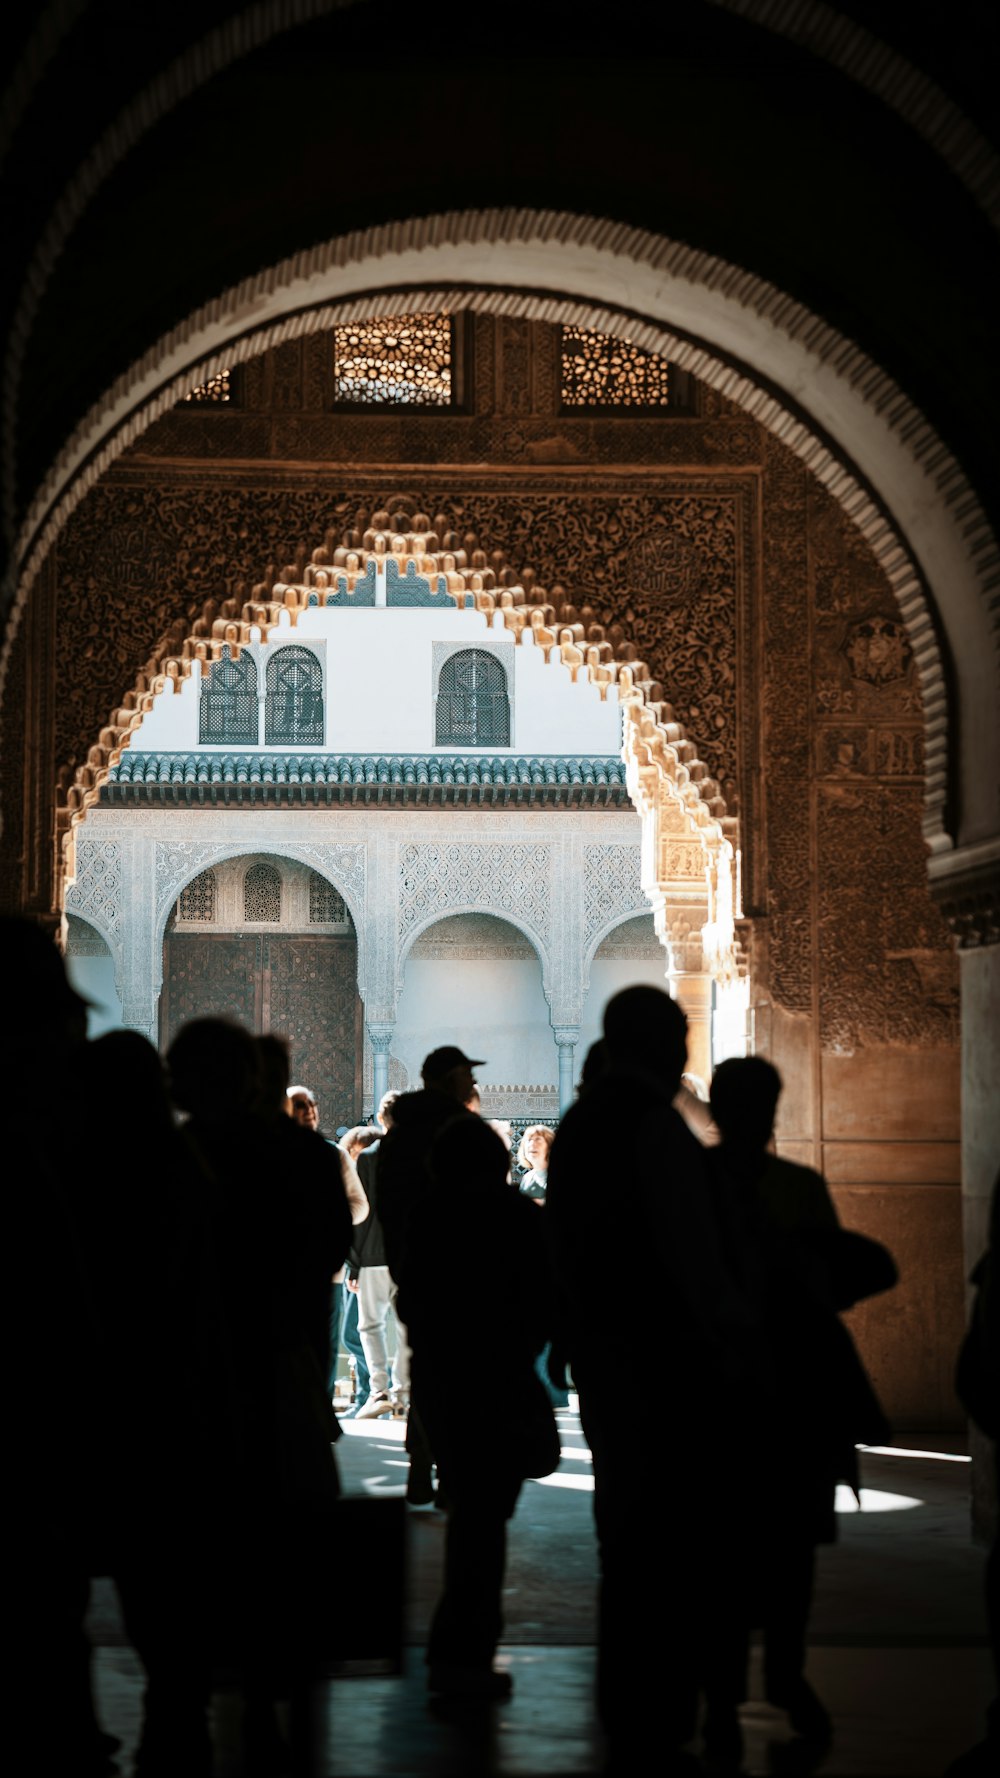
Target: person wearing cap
(449, 1090)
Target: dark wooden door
(300, 986)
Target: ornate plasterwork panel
(612, 889)
(786, 722)
(511, 880)
(96, 892)
(889, 972)
(177, 861)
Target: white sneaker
(374, 1406)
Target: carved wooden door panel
(311, 989)
(215, 975)
(301, 987)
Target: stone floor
(897, 1646)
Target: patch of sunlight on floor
(905, 1451)
(873, 1500)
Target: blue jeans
(350, 1339)
(558, 1397)
(336, 1327)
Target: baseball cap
(441, 1062)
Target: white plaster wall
(380, 687)
(171, 726)
(490, 1006)
(608, 975)
(94, 978)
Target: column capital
(139, 1013)
(380, 1038)
(566, 1036)
(966, 886)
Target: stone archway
(810, 387)
(689, 852)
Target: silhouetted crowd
(200, 1254)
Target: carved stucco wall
(743, 586)
(886, 962)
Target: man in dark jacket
(785, 1245)
(402, 1182)
(475, 1257)
(667, 1543)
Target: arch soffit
(105, 931)
(846, 421)
(620, 919)
(226, 852)
(512, 918)
(850, 47)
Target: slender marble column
(567, 1037)
(381, 1038)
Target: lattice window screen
(293, 710)
(218, 388)
(406, 359)
(197, 901)
(600, 370)
(326, 907)
(261, 894)
(229, 702)
(473, 709)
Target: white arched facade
(560, 878)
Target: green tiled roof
(232, 779)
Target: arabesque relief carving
(889, 972)
(817, 710)
(786, 716)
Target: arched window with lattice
(293, 710)
(196, 903)
(261, 894)
(473, 709)
(229, 701)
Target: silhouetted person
(142, 1199)
(400, 1164)
(282, 1227)
(448, 1087)
(476, 1296)
(977, 1385)
(300, 1103)
(668, 1521)
(799, 1268)
(55, 1407)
